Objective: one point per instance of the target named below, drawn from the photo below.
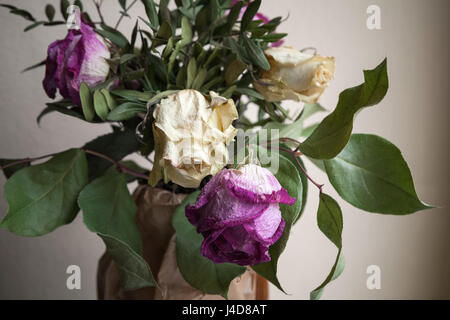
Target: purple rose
(80, 57)
(239, 216)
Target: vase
(154, 220)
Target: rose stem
(120, 166)
(123, 14)
(97, 6)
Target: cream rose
(191, 133)
(295, 75)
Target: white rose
(191, 133)
(295, 75)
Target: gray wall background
(412, 251)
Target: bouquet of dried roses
(176, 91)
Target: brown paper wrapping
(154, 221)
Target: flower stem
(122, 14)
(120, 167)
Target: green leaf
(233, 15)
(115, 145)
(43, 197)
(32, 26)
(109, 210)
(274, 37)
(152, 15)
(123, 4)
(20, 12)
(112, 104)
(250, 12)
(255, 53)
(37, 65)
(113, 35)
(289, 178)
(160, 96)
(100, 105)
(186, 31)
(334, 131)
(126, 111)
(329, 220)
(87, 102)
(66, 107)
(199, 79)
(133, 95)
(8, 172)
(250, 93)
(64, 5)
(50, 12)
(191, 72)
(371, 174)
(200, 272)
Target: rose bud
(80, 57)
(294, 75)
(191, 134)
(239, 216)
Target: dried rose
(191, 134)
(295, 75)
(80, 57)
(238, 214)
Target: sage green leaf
(44, 196)
(200, 272)
(274, 37)
(133, 95)
(87, 102)
(186, 31)
(229, 92)
(100, 105)
(371, 174)
(64, 6)
(109, 210)
(150, 9)
(249, 13)
(289, 178)
(255, 53)
(191, 72)
(334, 131)
(329, 220)
(110, 101)
(9, 171)
(160, 96)
(50, 12)
(113, 35)
(116, 145)
(199, 79)
(127, 57)
(125, 111)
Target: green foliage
(378, 165)
(329, 220)
(333, 133)
(110, 211)
(200, 272)
(43, 197)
